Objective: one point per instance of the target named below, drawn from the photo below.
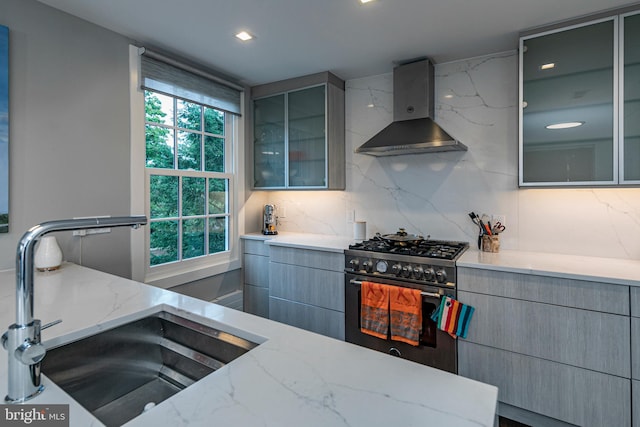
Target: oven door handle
(424, 294)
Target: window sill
(186, 274)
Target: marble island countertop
(292, 378)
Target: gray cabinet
(556, 347)
(582, 338)
(630, 138)
(555, 66)
(574, 129)
(636, 402)
(587, 295)
(635, 302)
(635, 347)
(256, 277)
(306, 289)
(562, 392)
(635, 353)
(298, 133)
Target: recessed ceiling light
(371, 105)
(244, 36)
(448, 96)
(565, 125)
(548, 66)
(365, 1)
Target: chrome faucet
(22, 340)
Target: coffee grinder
(269, 219)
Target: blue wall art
(4, 129)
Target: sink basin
(119, 373)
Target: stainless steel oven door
(437, 348)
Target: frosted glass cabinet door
(568, 78)
(269, 144)
(631, 117)
(307, 139)
(299, 133)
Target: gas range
(423, 248)
(407, 261)
(419, 261)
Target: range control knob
(382, 267)
(418, 272)
(368, 266)
(396, 269)
(429, 274)
(406, 271)
(355, 263)
(441, 276)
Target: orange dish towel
(374, 309)
(406, 314)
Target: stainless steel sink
(118, 373)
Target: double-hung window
(190, 173)
(189, 188)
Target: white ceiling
(299, 37)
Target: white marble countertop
(321, 242)
(292, 378)
(608, 270)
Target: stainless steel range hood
(413, 130)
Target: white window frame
(180, 272)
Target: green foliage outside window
(186, 210)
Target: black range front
(432, 272)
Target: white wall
(69, 137)
(431, 194)
(69, 130)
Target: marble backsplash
(432, 194)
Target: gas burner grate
(424, 248)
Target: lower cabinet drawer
(256, 300)
(583, 338)
(309, 317)
(256, 270)
(567, 393)
(635, 348)
(308, 258)
(636, 403)
(257, 247)
(307, 285)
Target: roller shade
(165, 75)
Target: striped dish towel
(453, 317)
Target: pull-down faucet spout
(22, 340)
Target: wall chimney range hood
(413, 130)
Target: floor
(505, 422)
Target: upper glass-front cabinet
(298, 134)
(269, 141)
(630, 118)
(579, 122)
(307, 141)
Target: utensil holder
(491, 243)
